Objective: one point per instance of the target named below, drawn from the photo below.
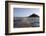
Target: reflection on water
(26, 22)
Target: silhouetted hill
(33, 15)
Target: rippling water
(26, 22)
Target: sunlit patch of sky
(25, 12)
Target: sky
(25, 12)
